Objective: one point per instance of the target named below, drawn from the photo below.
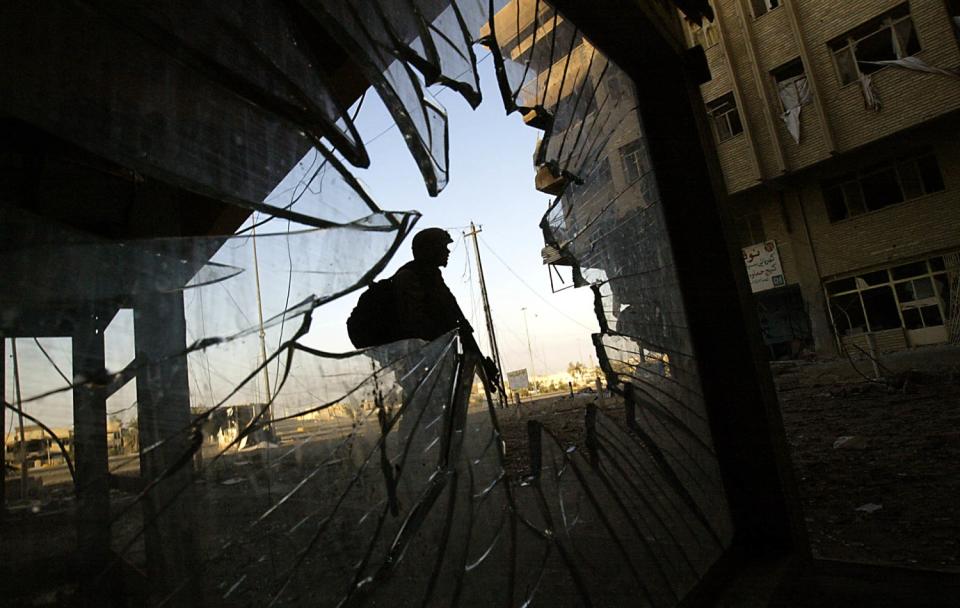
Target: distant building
(838, 136)
(43, 451)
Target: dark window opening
(841, 286)
(930, 175)
(910, 295)
(953, 7)
(912, 318)
(847, 314)
(875, 47)
(881, 185)
(918, 289)
(931, 316)
(836, 205)
(881, 307)
(762, 7)
(923, 288)
(788, 70)
(875, 278)
(725, 117)
(881, 189)
(907, 271)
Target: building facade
(836, 129)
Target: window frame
(778, 78)
(847, 43)
(767, 5)
(631, 155)
(899, 166)
(930, 273)
(713, 111)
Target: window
(791, 82)
(848, 316)
(911, 295)
(953, 7)
(888, 37)
(761, 7)
(634, 158)
(788, 71)
(750, 229)
(726, 119)
(881, 308)
(881, 185)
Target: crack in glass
(267, 470)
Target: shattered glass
(263, 469)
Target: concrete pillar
(90, 459)
(164, 416)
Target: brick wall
(783, 222)
(911, 229)
(909, 98)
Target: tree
(576, 370)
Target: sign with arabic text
(763, 266)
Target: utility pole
(263, 336)
(526, 326)
(495, 351)
(23, 438)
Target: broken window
(881, 307)
(725, 117)
(793, 91)
(907, 271)
(847, 311)
(888, 37)
(881, 185)
(919, 301)
(912, 295)
(924, 294)
(762, 7)
(865, 310)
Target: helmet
(429, 240)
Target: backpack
(373, 320)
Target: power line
(50, 359)
(532, 290)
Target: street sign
(517, 380)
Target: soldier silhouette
(416, 303)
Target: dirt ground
(876, 461)
(889, 493)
